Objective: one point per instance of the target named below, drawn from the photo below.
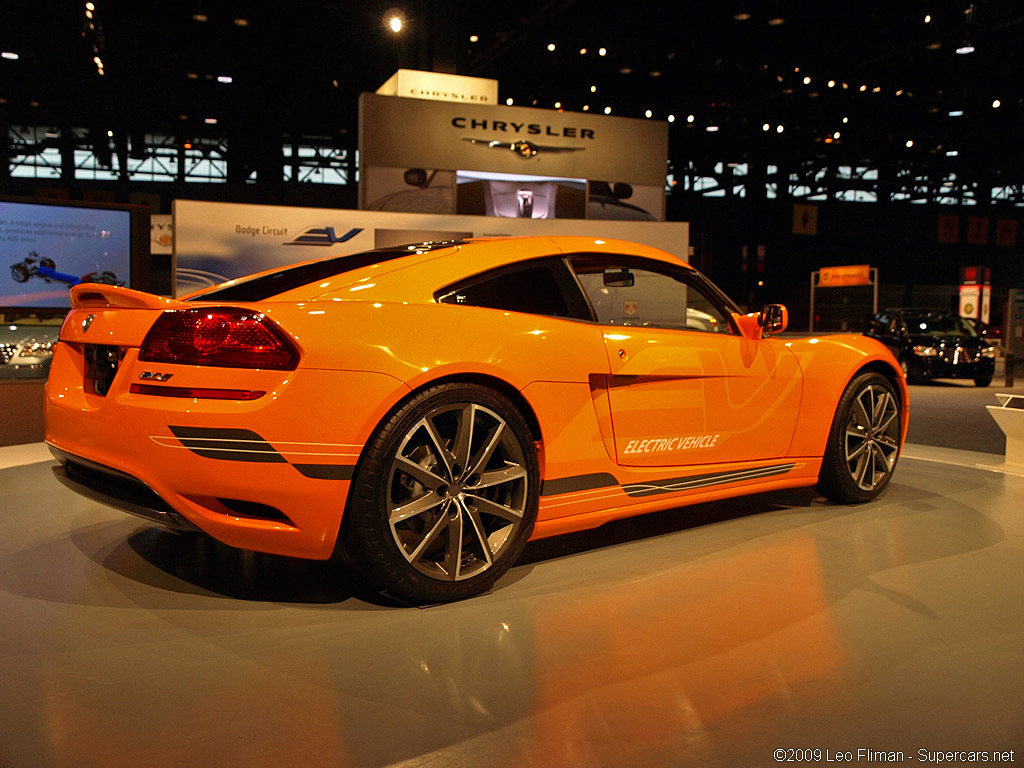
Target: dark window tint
(289, 278)
(536, 288)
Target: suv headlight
(988, 351)
(922, 351)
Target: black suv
(934, 345)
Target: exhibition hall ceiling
(861, 80)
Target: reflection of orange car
(440, 404)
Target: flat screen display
(45, 249)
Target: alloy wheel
(871, 439)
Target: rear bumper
(116, 489)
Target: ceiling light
(956, 113)
(200, 17)
(227, 79)
(10, 55)
(765, 127)
(210, 121)
(742, 16)
(807, 81)
(241, 22)
(648, 113)
(846, 120)
(965, 47)
(951, 153)
(474, 39)
(863, 88)
(558, 105)
(395, 23)
(110, 134)
(934, 46)
(877, 89)
(88, 14)
(626, 71)
(602, 51)
(509, 101)
(593, 89)
(831, 83)
(928, 18)
(776, 21)
(835, 135)
(997, 104)
(586, 107)
(90, 7)
(583, 51)
(712, 128)
(780, 129)
(910, 143)
(551, 46)
(671, 118)
(607, 110)
(690, 118)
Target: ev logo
(323, 236)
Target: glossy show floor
(709, 636)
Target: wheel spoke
(864, 420)
(428, 538)
(497, 510)
(417, 506)
(464, 436)
(851, 455)
(498, 476)
(420, 474)
(440, 451)
(484, 456)
(479, 531)
(453, 551)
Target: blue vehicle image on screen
(43, 267)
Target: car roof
(411, 272)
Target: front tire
(864, 441)
(445, 496)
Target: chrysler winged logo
(87, 322)
(524, 149)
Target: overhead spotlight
(934, 46)
(996, 104)
(241, 22)
(877, 89)
(831, 83)
(956, 113)
(593, 89)
(226, 79)
(765, 127)
(952, 153)
(210, 120)
(927, 18)
(965, 47)
(551, 46)
(910, 143)
(90, 6)
(780, 129)
(690, 118)
(835, 135)
(807, 81)
(776, 21)
(671, 118)
(509, 101)
(607, 110)
(586, 107)
(712, 128)
(625, 70)
(846, 120)
(474, 39)
(648, 113)
(899, 92)
(583, 51)
(9, 55)
(602, 51)
(558, 105)
(742, 16)
(200, 17)
(395, 23)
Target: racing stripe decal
(703, 481)
(249, 446)
(578, 483)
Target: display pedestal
(21, 411)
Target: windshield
(940, 324)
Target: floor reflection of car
(26, 350)
(935, 345)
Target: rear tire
(20, 273)
(445, 496)
(864, 441)
(982, 381)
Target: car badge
(523, 149)
(87, 322)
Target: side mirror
(618, 278)
(622, 191)
(773, 318)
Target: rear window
(289, 278)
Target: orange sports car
(425, 410)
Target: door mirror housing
(773, 318)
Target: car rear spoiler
(100, 295)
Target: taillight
(229, 337)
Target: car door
(684, 386)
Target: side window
(626, 294)
(538, 288)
